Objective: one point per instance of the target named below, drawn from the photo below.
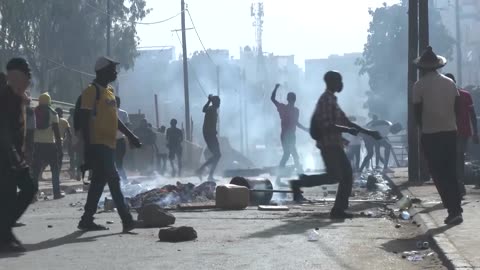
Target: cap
(19, 64)
(103, 62)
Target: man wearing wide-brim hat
(435, 99)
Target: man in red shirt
(289, 115)
(466, 128)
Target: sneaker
(297, 192)
(454, 219)
(58, 197)
(129, 226)
(340, 214)
(91, 226)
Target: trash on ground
(153, 216)
(273, 208)
(196, 206)
(77, 204)
(405, 203)
(313, 235)
(398, 226)
(405, 215)
(177, 234)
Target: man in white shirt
(435, 99)
(47, 143)
(121, 148)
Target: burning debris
(170, 195)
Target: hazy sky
(306, 28)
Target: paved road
(247, 239)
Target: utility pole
(413, 138)
(218, 94)
(109, 24)
(185, 76)
(424, 40)
(459, 44)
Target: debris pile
(171, 195)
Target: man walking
(328, 124)
(436, 104)
(210, 135)
(99, 124)
(47, 144)
(13, 167)
(289, 115)
(174, 145)
(466, 128)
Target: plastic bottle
(313, 235)
(405, 215)
(405, 203)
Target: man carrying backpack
(47, 143)
(98, 124)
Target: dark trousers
(441, 154)
(354, 155)
(104, 172)
(162, 162)
(175, 151)
(214, 148)
(339, 170)
(289, 149)
(12, 203)
(462, 143)
(120, 152)
(46, 154)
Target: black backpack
(78, 106)
(315, 130)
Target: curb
(447, 251)
(49, 190)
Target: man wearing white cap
(98, 125)
(435, 99)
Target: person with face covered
(210, 136)
(328, 124)
(16, 186)
(289, 115)
(99, 123)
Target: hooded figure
(43, 111)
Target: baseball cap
(19, 64)
(103, 62)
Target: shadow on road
(408, 244)
(67, 239)
(297, 226)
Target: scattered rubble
(171, 195)
(154, 216)
(177, 234)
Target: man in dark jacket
(13, 167)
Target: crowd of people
(98, 132)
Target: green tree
(55, 34)
(385, 58)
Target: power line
(136, 22)
(60, 64)
(193, 70)
(200, 39)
